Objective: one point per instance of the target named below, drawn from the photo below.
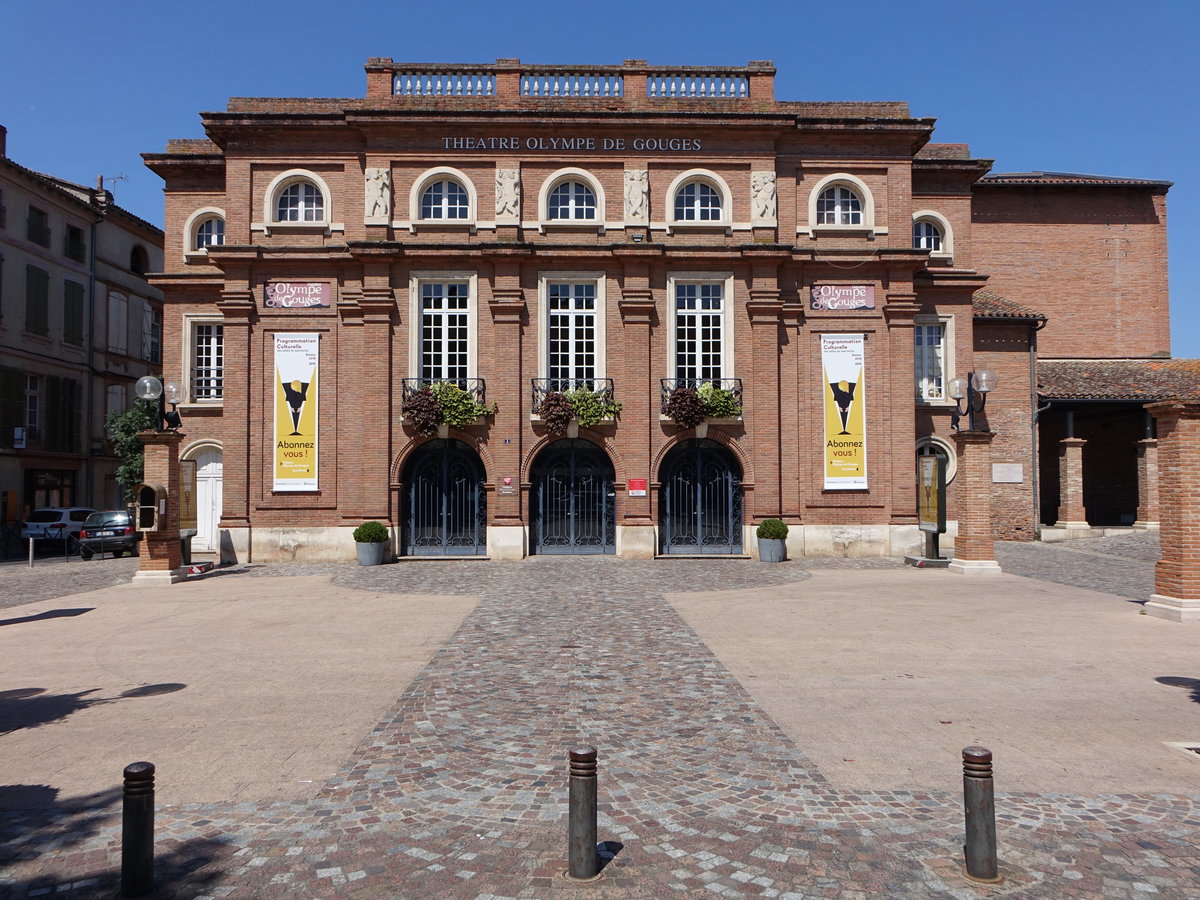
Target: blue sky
(1103, 87)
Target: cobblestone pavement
(459, 791)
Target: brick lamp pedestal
(1177, 573)
(161, 559)
(975, 545)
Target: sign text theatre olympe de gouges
(570, 143)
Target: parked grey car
(110, 531)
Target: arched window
(931, 231)
(936, 446)
(571, 201)
(210, 233)
(927, 236)
(137, 261)
(445, 199)
(839, 205)
(698, 201)
(300, 201)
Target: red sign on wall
(297, 294)
(842, 296)
(637, 487)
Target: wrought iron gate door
(447, 506)
(701, 500)
(573, 500)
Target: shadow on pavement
(48, 614)
(33, 707)
(1192, 684)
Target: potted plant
(691, 407)
(371, 541)
(443, 404)
(772, 540)
(559, 411)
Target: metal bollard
(583, 861)
(137, 831)
(980, 806)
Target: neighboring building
(820, 271)
(79, 324)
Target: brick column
(900, 314)
(161, 557)
(509, 390)
(975, 546)
(760, 384)
(1147, 471)
(1177, 573)
(639, 389)
(237, 307)
(1071, 513)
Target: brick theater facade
(510, 310)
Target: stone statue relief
(636, 191)
(508, 194)
(762, 189)
(378, 200)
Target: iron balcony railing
(544, 386)
(668, 385)
(411, 386)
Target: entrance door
(447, 506)
(208, 499)
(573, 500)
(701, 500)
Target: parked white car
(55, 522)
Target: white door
(208, 500)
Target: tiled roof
(1120, 379)
(988, 305)
(1065, 179)
(944, 151)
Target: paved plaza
(784, 731)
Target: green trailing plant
(772, 530)
(443, 403)
(590, 408)
(123, 428)
(459, 407)
(371, 533)
(556, 412)
(719, 402)
(685, 407)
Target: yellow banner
(296, 411)
(845, 394)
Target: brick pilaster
(1177, 572)
(1071, 512)
(1147, 474)
(509, 390)
(975, 544)
(638, 385)
(900, 314)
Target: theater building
(511, 309)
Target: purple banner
(842, 296)
(297, 294)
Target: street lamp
(150, 388)
(974, 388)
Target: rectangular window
(699, 330)
(62, 414)
(73, 313)
(929, 357)
(37, 301)
(33, 408)
(114, 403)
(208, 361)
(445, 330)
(118, 322)
(73, 245)
(571, 333)
(37, 226)
(154, 323)
(12, 404)
(3, 212)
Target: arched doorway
(209, 482)
(700, 501)
(573, 500)
(445, 504)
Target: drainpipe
(89, 404)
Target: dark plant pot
(371, 554)
(772, 550)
